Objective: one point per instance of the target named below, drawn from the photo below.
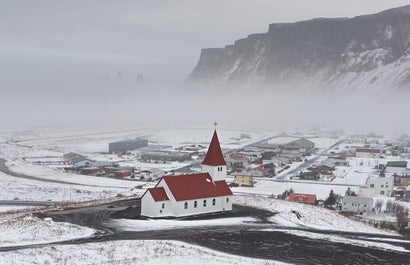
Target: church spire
(214, 156)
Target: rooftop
(214, 156)
(196, 186)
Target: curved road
(7, 171)
(259, 239)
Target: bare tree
(402, 215)
(389, 206)
(378, 206)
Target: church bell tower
(214, 162)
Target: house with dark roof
(191, 194)
(396, 167)
(367, 152)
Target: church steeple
(214, 156)
(214, 162)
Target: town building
(382, 186)
(244, 179)
(152, 173)
(302, 198)
(126, 145)
(191, 194)
(302, 145)
(359, 205)
(81, 161)
(163, 156)
(309, 175)
(367, 153)
(396, 167)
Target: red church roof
(196, 186)
(214, 156)
(158, 194)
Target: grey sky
(56, 56)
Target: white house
(377, 186)
(367, 152)
(396, 167)
(192, 194)
(153, 173)
(360, 205)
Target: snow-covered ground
(311, 216)
(356, 242)
(31, 230)
(25, 230)
(145, 252)
(12, 188)
(270, 187)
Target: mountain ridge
(368, 52)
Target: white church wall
(151, 208)
(220, 205)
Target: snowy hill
(365, 53)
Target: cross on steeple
(215, 123)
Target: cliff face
(358, 53)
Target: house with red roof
(191, 194)
(302, 198)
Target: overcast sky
(50, 48)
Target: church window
(195, 204)
(186, 205)
(204, 203)
(163, 205)
(213, 201)
(227, 199)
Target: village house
(244, 179)
(237, 158)
(396, 167)
(309, 175)
(81, 161)
(367, 152)
(126, 145)
(193, 194)
(359, 205)
(302, 198)
(162, 156)
(302, 145)
(357, 140)
(382, 186)
(401, 180)
(152, 173)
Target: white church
(193, 194)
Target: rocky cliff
(347, 54)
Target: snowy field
(144, 252)
(12, 188)
(311, 216)
(269, 187)
(25, 230)
(229, 138)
